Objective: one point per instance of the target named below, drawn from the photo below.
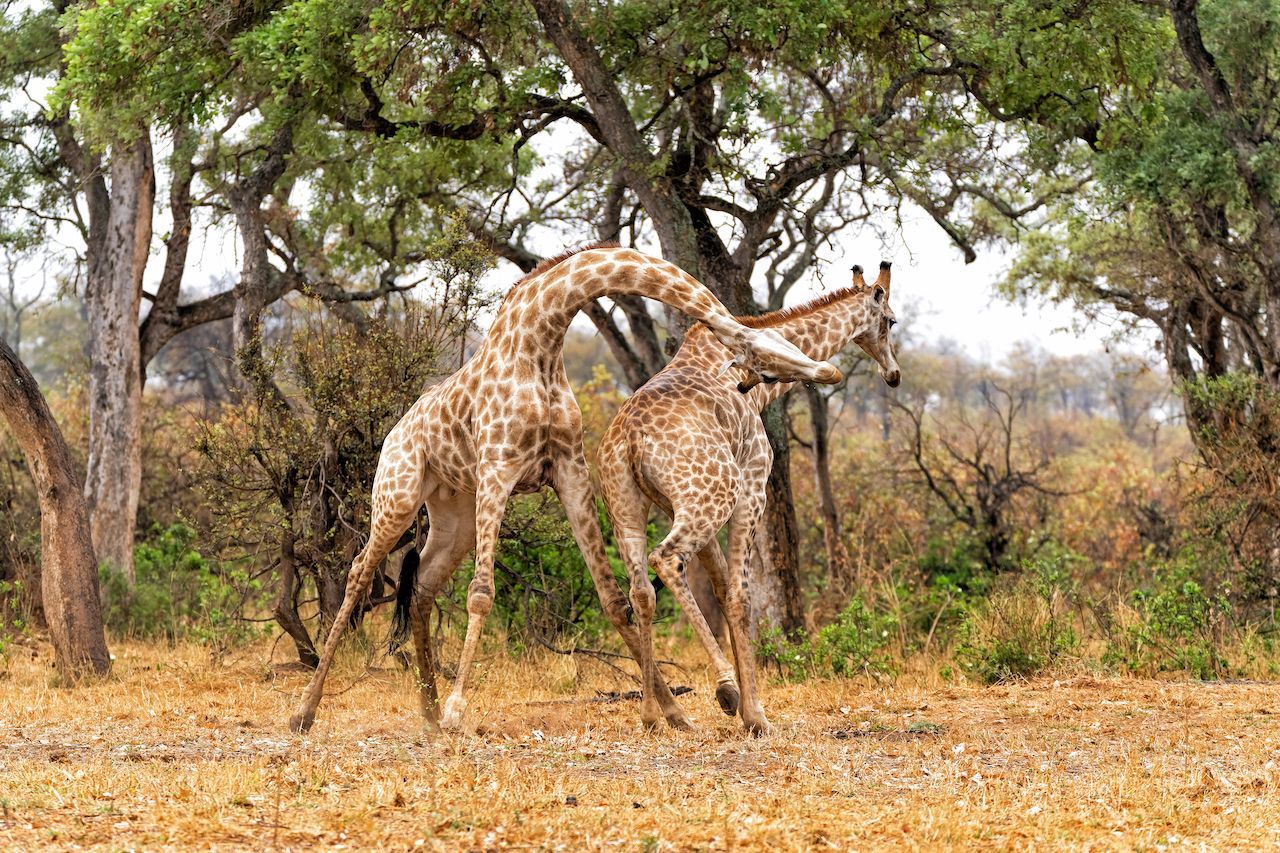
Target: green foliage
(12, 625)
(1236, 425)
(544, 590)
(1023, 628)
(854, 644)
(1174, 624)
(178, 594)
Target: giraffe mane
(774, 318)
(556, 260)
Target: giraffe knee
(667, 563)
(479, 598)
(644, 600)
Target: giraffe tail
(404, 598)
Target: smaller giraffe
(691, 442)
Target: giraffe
(692, 443)
(506, 422)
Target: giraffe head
(874, 339)
(768, 357)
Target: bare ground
(175, 753)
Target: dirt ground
(175, 753)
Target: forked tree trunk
(114, 297)
(69, 572)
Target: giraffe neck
(820, 332)
(544, 303)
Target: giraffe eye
(892, 322)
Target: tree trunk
(780, 522)
(832, 535)
(69, 572)
(286, 607)
(114, 295)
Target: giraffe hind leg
(451, 536)
(690, 531)
(629, 509)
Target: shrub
(1235, 421)
(792, 656)
(1174, 624)
(543, 587)
(1024, 628)
(854, 644)
(178, 594)
(12, 625)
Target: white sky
(935, 293)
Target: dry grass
(175, 753)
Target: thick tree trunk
(69, 572)
(832, 535)
(657, 194)
(114, 297)
(780, 522)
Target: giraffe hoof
(758, 728)
(728, 697)
(454, 709)
(680, 723)
(300, 723)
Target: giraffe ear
(878, 294)
(724, 368)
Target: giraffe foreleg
(394, 509)
(497, 479)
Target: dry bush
(287, 487)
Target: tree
(69, 572)
(980, 467)
(1181, 231)
(738, 136)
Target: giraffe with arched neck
(506, 422)
(691, 442)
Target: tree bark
(69, 572)
(780, 524)
(114, 296)
(832, 535)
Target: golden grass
(174, 753)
